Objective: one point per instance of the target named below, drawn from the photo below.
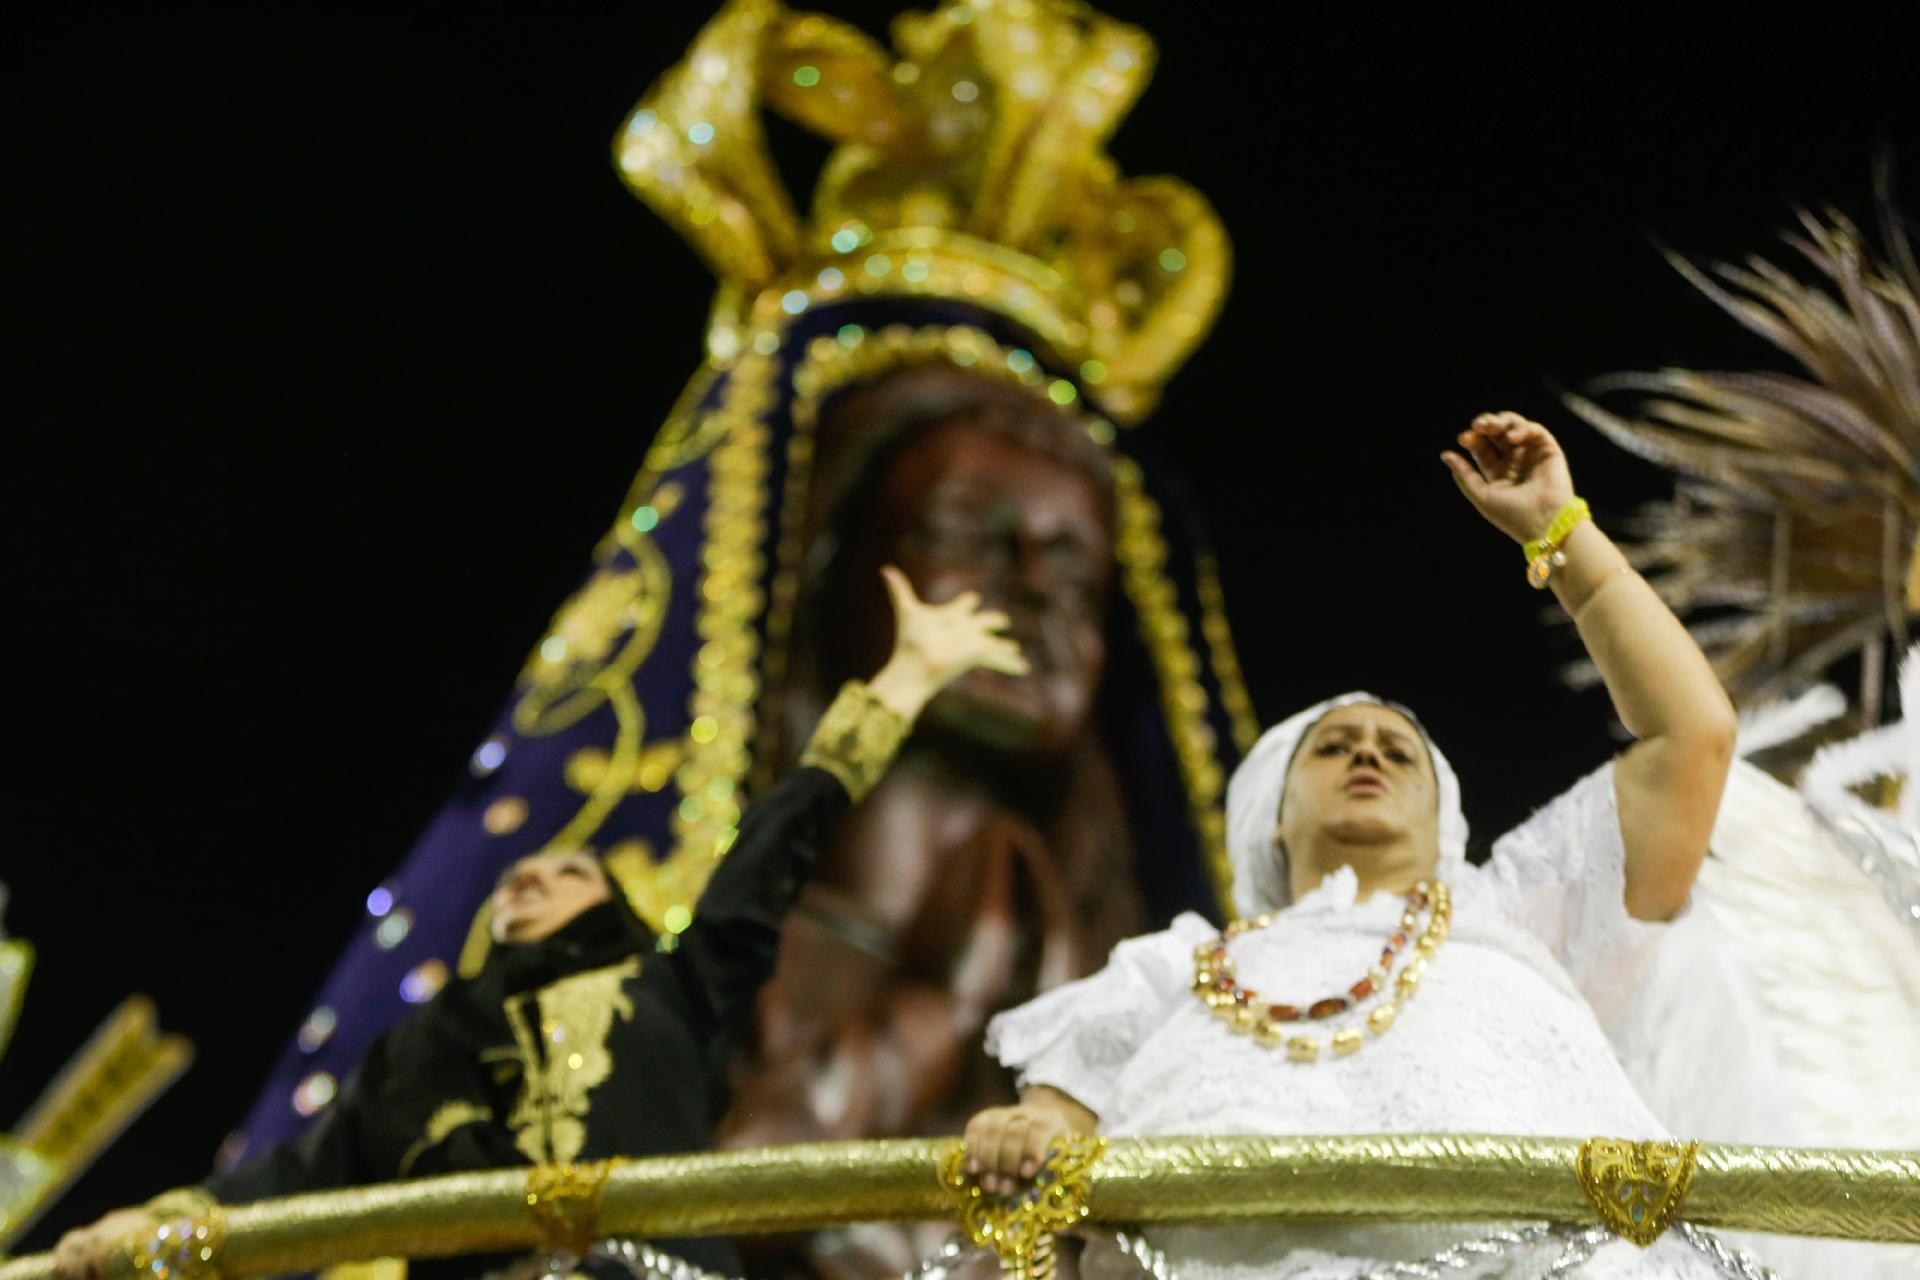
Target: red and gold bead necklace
(1241, 1009)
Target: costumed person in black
(583, 1037)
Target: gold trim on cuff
(856, 739)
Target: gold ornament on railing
(565, 1200)
(1638, 1187)
(182, 1248)
(969, 163)
(1021, 1228)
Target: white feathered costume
(1783, 1007)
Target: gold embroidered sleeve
(181, 1202)
(448, 1117)
(856, 739)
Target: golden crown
(970, 164)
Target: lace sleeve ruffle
(1077, 1038)
(1562, 876)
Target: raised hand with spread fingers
(936, 644)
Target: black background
(337, 343)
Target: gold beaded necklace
(1241, 1009)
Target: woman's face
(540, 894)
(1362, 775)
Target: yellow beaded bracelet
(1543, 553)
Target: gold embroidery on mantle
(595, 642)
(1142, 553)
(1225, 659)
(440, 1125)
(566, 1057)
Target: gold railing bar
(1862, 1195)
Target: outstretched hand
(1518, 477)
(936, 644)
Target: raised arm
(731, 946)
(1668, 783)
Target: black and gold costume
(596, 1041)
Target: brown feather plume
(1790, 541)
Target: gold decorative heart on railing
(1638, 1187)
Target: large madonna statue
(938, 367)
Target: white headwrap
(1260, 880)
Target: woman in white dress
(1377, 982)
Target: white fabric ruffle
(1502, 1036)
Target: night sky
(337, 343)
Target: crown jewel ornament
(968, 162)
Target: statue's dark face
(963, 506)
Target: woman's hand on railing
(1007, 1145)
(82, 1253)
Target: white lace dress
(1504, 1036)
